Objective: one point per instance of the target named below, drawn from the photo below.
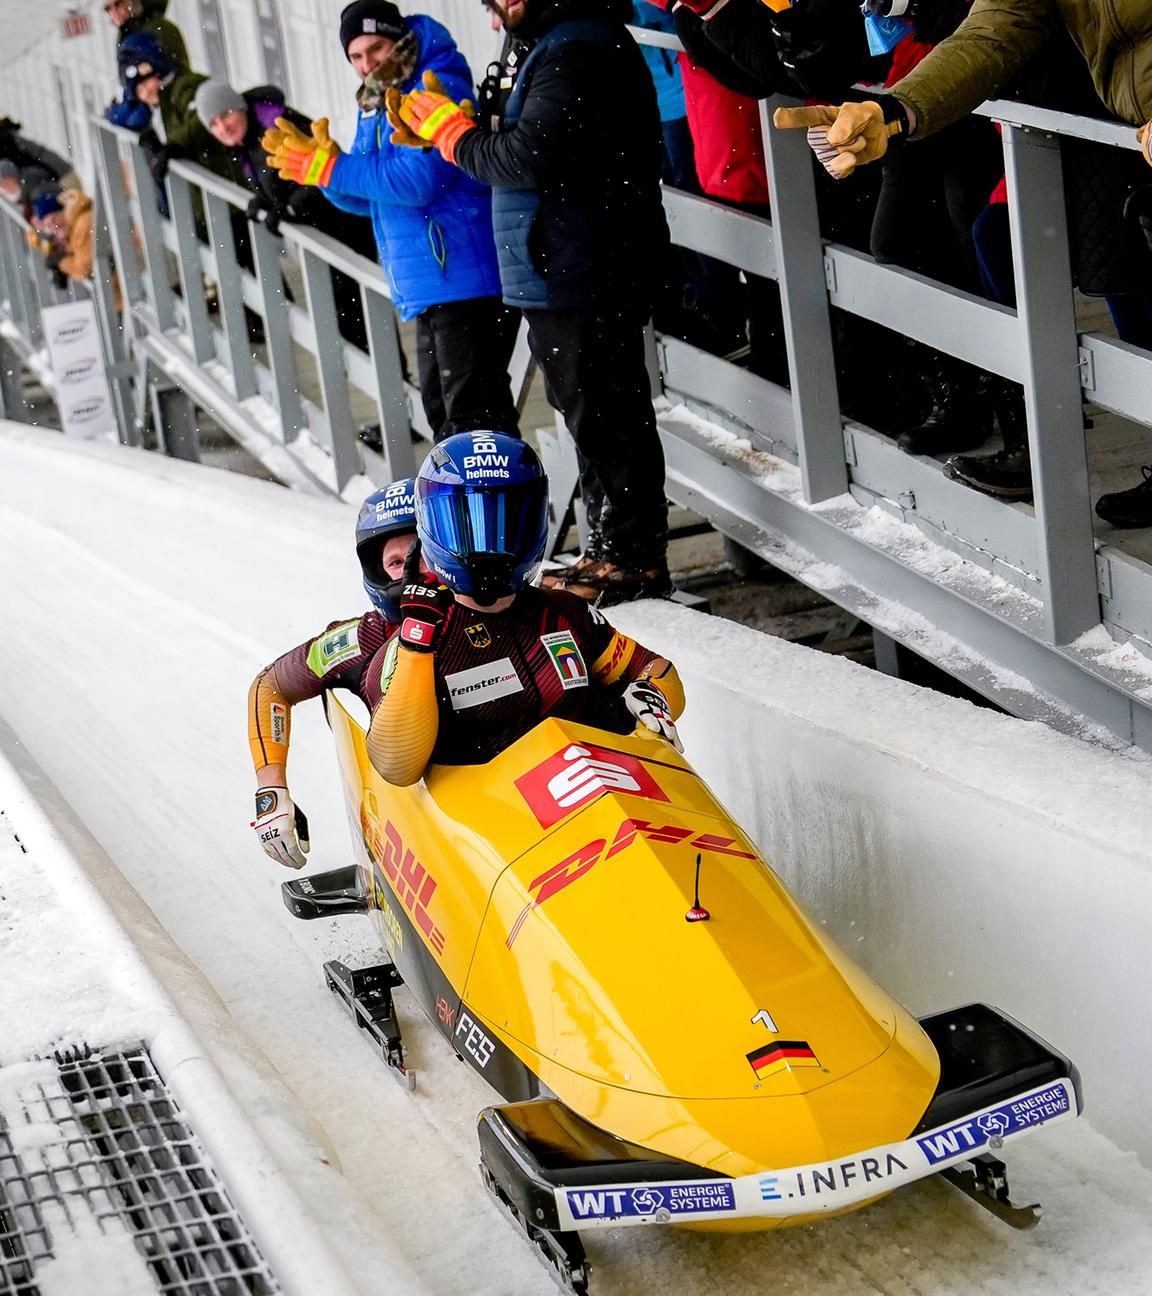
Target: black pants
(462, 353)
(595, 375)
(355, 232)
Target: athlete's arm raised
(406, 721)
(279, 824)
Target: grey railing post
(116, 359)
(230, 293)
(118, 210)
(23, 300)
(1051, 376)
(174, 418)
(188, 267)
(13, 404)
(8, 270)
(804, 298)
(330, 363)
(521, 368)
(266, 252)
(391, 398)
(42, 294)
(152, 236)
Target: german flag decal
(782, 1055)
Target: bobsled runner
(674, 1040)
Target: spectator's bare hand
(1144, 135)
(842, 136)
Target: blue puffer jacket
(433, 223)
(661, 62)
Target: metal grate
(125, 1157)
(20, 1224)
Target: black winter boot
(1006, 474)
(606, 583)
(1129, 508)
(961, 413)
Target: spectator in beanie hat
(151, 77)
(237, 122)
(49, 227)
(433, 224)
(11, 185)
(130, 17)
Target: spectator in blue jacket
(433, 223)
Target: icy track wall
(955, 853)
(59, 892)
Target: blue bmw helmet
(387, 512)
(482, 514)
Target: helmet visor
(467, 522)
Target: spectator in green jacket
(996, 39)
(986, 50)
(132, 16)
(150, 77)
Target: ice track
(139, 595)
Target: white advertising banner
(77, 361)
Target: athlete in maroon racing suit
(481, 658)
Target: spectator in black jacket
(40, 168)
(568, 136)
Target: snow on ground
(140, 595)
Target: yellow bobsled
(676, 1041)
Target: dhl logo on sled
(564, 870)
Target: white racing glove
(647, 704)
(281, 826)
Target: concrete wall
(957, 854)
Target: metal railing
(26, 287)
(1034, 577)
(290, 399)
(1067, 579)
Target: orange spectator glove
(429, 116)
(303, 159)
(1144, 135)
(847, 135)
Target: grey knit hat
(214, 97)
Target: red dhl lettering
(619, 647)
(412, 884)
(575, 866)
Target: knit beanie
(139, 57)
(370, 18)
(216, 96)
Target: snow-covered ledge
(70, 974)
(956, 853)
